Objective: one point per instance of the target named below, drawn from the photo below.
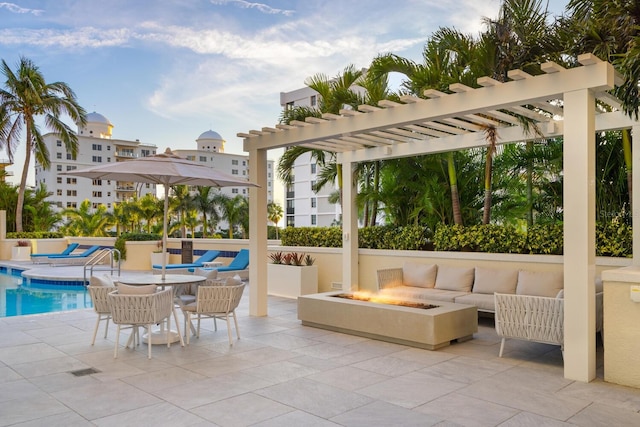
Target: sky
(165, 71)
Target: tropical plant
(27, 96)
(274, 214)
(87, 221)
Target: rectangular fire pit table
(431, 328)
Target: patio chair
(99, 288)
(143, 310)
(39, 258)
(214, 302)
(80, 258)
(208, 256)
(238, 265)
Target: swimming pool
(17, 297)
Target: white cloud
(11, 7)
(259, 6)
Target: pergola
(562, 102)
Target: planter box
(21, 253)
(291, 281)
(156, 258)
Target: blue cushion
(67, 251)
(205, 257)
(86, 253)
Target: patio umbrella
(165, 169)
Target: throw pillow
(489, 280)
(136, 290)
(455, 278)
(209, 274)
(419, 275)
(104, 280)
(540, 283)
(233, 281)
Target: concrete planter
(21, 253)
(291, 281)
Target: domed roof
(97, 118)
(210, 135)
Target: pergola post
(258, 233)
(635, 192)
(579, 235)
(349, 226)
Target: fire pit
(429, 324)
(382, 299)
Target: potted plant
(22, 251)
(291, 274)
(158, 254)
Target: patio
(282, 373)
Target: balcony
(127, 154)
(125, 188)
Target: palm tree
(202, 201)
(25, 97)
(40, 213)
(274, 214)
(85, 221)
(181, 203)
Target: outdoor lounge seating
(80, 258)
(99, 289)
(38, 258)
(238, 266)
(208, 256)
(214, 302)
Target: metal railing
(103, 260)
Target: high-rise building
(96, 146)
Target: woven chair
(101, 306)
(143, 310)
(530, 318)
(216, 302)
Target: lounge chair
(80, 258)
(208, 256)
(238, 265)
(38, 258)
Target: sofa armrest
(389, 278)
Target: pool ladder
(97, 263)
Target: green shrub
(120, 243)
(35, 235)
(614, 239)
(547, 239)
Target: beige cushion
(136, 290)
(233, 281)
(455, 278)
(104, 280)
(489, 280)
(208, 274)
(419, 275)
(540, 283)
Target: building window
(59, 168)
(203, 159)
(234, 162)
(71, 205)
(59, 180)
(313, 100)
(97, 194)
(234, 171)
(234, 190)
(72, 181)
(71, 168)
(108, 148)
(313, 185)
(97, 159)
(58, 143)
(244, 172)
(58, 155)
(72, 193)
(244, 163)
(95, 205)
(313, 168)
(313, 202)
(109, 194)
(96, 147)
(244, 191)
(59, 192)
(108, 159)
(192, 158)
(145, 153)
(69, 156)
(97, 182)
(313, 220)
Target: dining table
(176, 281)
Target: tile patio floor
(283, 374)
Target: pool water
(17, 298)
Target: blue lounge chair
(38, 257)
(73, 259)
(208, 256)
(238, 265)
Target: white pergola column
(579, 236)
(635, 192)
(258, 233)
(349, 226)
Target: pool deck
(283, 373)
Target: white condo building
(303, 206)
(96, 146)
